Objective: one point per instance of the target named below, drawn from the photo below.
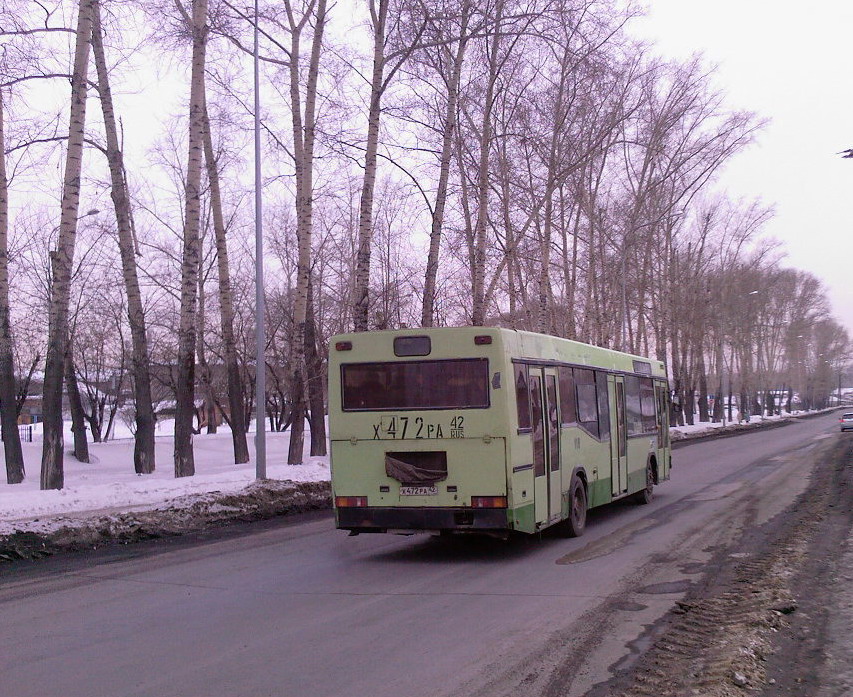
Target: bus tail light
(343, 346)
(350, 501)
(488, 502)
(482, 340)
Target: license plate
(418, 491)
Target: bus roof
(520, 345)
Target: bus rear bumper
(383, 519)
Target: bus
(489, 430)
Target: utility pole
(260, 329)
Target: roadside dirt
(259, 501)
(774, 623)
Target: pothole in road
(667, 587)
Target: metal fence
(26, 433)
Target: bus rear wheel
(575, 524)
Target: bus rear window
(446, 384)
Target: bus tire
(575, 524)
(646, 495)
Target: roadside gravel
(773, 616)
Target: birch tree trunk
(303, 155)
(185, 385)
(8, 407)
(478, 310)
(315, 381)
(544, 311)
(428, 311)
(237, 416)
(143, 448)
(361, 301)
(703, 388)
(203, 372)
(52, 473)
(75, 404)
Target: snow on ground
(109, 484)
(707, 427)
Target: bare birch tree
(8, 411)
(143, 449)
(447, 62)
(237, 417)
(52, 472)
(386, 64)
(478, 260)
(304, 126)
(191, 259)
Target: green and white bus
(487, 430)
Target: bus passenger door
(619, 441)
(552, 446)
(662, 413)
(540, 466)
(545, 424)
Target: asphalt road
(302, 609)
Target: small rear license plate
(418, 491)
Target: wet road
(305, 610)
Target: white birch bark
(143, 449)
(478, 309)
(236, 417)
(361, 302)
(314, 368)
(8, 411)
(428, 310)
(52, 473)
(185, 386)
(303, 155)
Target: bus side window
(522, 398)
(603, 405)
(568, 410)
(587, 400)
(632, 405)
(647, 405)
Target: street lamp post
(260, 329)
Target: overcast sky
(791, 62)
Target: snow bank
(108, 483)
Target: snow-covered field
(108, 484)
